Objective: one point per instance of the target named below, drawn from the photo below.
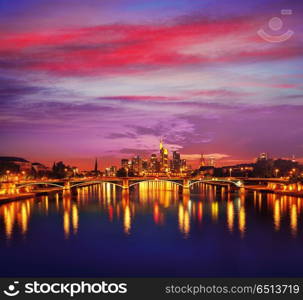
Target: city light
(144, 139)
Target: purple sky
(109, 78)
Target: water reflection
(214, 211)
(277, 214)
(16, 214)
(242, 220)
(283, 208)
(184, 220)
(294, 219)
(230, 216)
(155, 201)
(127, 219)
(200, 212)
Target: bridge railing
(186, 182)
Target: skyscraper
(163, 158)
(124, 163)
(145, 165)
(176, 162)
(137, 165)
(183, 165)
(154, 163)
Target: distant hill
(12, 159)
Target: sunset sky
(108, 78)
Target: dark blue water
(152, 231)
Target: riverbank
(267, 190)
(21, 196)
(15, 197)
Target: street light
(66, 174)
(7, 173)
(230, 169)
(277, 171)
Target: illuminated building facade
(154, 163)
(111, 172)
(137, 165)
(263, 156)
(183, 165)
(212, 162)
(124, 163)
(163, 158)
(202, 161)
(145, 165)
(176, 162)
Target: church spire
(96, 165)
(202, 161)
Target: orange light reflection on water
(156, 200)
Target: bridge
(128, 182)
(263, 180)
(278, 185)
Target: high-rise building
(154, 163)
(183, 165)
(202, 161)
(124, 163)
(176, 162)
(163, 158)
(137, 165)
(171, 165)
(212, 161)
(145, 165)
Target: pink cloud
(116, 49)
(187, 94)
(219, 93)
(138, 98)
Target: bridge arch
(156, 180)
(95, 182)
(38, 183)
(236, 183)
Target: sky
(109, 78)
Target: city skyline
(167, 160)
(162, 161)
(158, 141)
(109, 78)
